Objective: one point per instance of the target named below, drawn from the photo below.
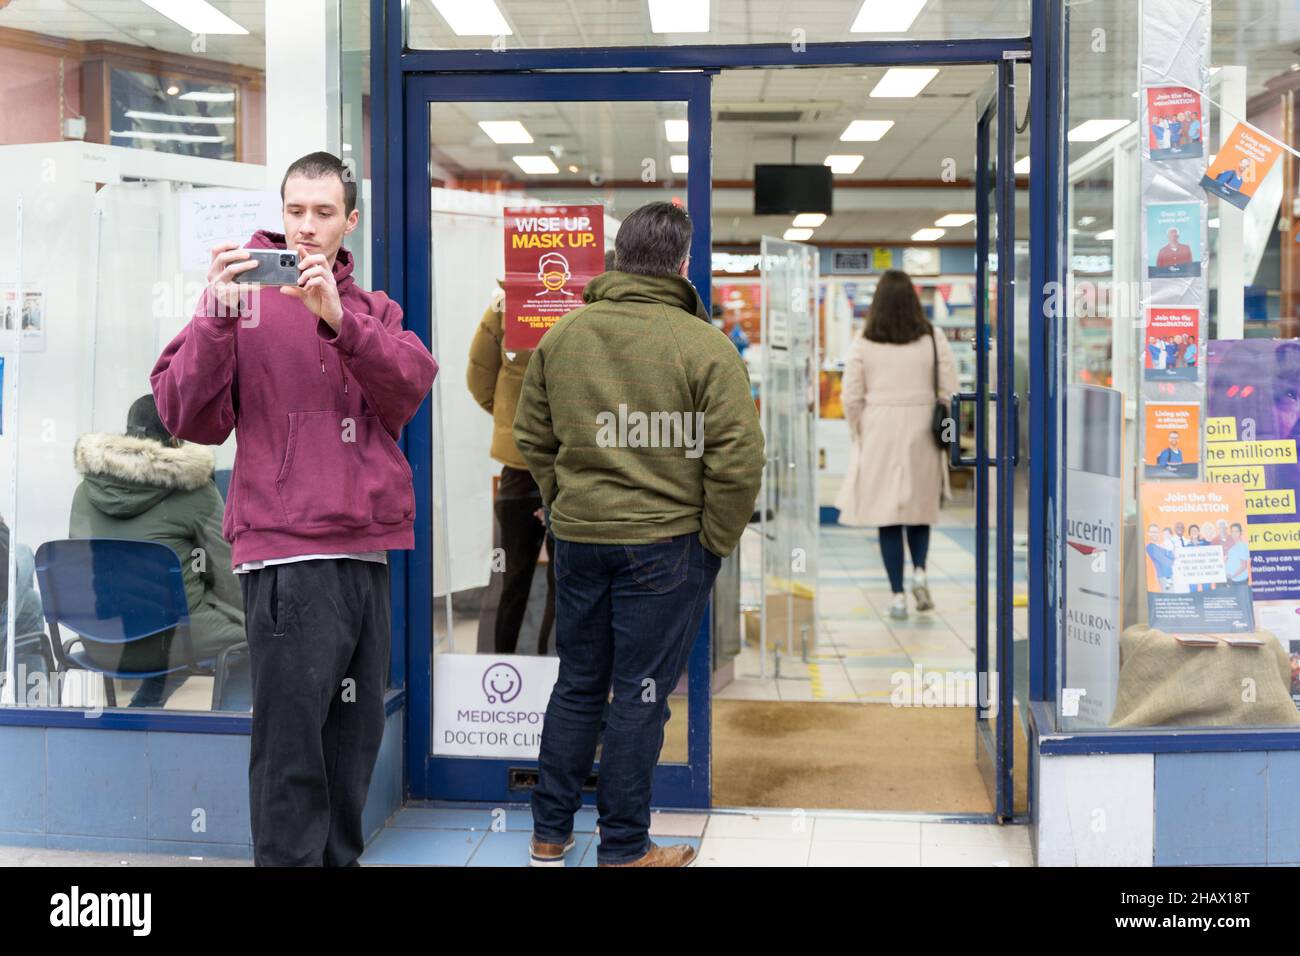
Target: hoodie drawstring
(320, 352)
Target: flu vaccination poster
(1174, 129)
(552, 252)
(1172, 350)
(1197, 557)
(1252, 423)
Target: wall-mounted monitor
(789, 189)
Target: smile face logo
(501, 683)
(553, 272)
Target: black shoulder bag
(939, 417)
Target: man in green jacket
(636, 420)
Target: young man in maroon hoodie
(317, 379)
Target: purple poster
(1251, 427)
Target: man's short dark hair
(319, 165)
(653, 240)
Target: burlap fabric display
(1163, 683)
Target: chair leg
(219, 681)
(221, 673)
(110, 693)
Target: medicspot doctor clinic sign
(552, 252)
(487, 706)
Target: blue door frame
(485, 779)
(994, 177)
(1001, 740)
(995, 147)
(396, 71)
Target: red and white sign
(552, 252)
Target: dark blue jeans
(891, 550)
(625, 617)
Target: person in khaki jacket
(494, 377)
(637, 421)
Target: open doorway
(796, 717)
(821, 700)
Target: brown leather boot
(680, 854)
(549, 854)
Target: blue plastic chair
(125, 601)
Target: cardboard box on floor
(781, 609)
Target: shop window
(106, 224)
(1180, 562)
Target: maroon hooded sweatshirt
(317, 467)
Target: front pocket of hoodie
(342, 471)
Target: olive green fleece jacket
(637, 420)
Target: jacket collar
(673, 290)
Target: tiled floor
(486, 837)
(425, 836)
(859, 650)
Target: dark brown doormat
(824, 756)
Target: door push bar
(955, 456)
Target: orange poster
(1241, 165)
(832, 394)
(1173, 439)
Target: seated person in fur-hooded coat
(149, 486)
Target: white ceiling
(937, 125)
(132, 22)
(617, 140)
(560, 23)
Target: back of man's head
(143, 421)
(322, 164)
(653, 240)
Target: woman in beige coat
(897, 474)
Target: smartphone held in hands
(274, 267)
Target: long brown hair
(896, 316)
